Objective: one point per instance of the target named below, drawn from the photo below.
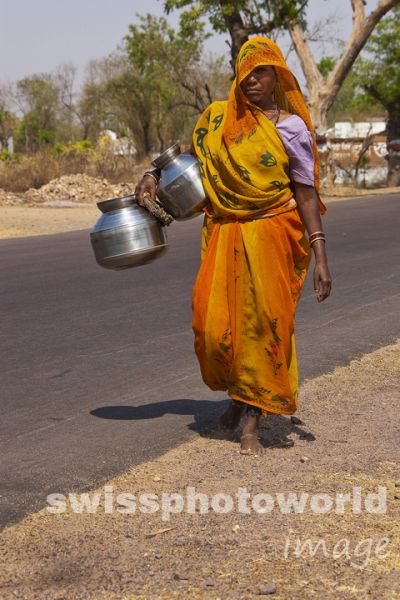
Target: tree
(152, 88)
(379, 76)
(8, 121)
(69, 122)
(37, 98)
(160, 59)
(350, 103)
(247, 17)
(163, 83)
(95, 108)
(240, 18)
(323, 90)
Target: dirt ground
(73, 207)
(346, 443)
(18, 221)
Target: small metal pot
(180, 189)
(126, 235)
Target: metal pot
(180, 189)
(126, 235)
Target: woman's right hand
(146, 185)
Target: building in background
(354, 154)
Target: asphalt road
(97, 367)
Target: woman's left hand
(322, 280)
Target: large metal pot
(180, 189)
(126, 235)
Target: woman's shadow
(276, 430)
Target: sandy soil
(18, 221)
(348, 439)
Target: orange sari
(255, 254)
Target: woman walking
(259, 166)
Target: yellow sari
(255, 254)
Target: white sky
(36, 36)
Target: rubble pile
(10, 199)
(79, 188)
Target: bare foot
(250, 440)
(230, 420)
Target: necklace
(274, 117)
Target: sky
(36, 36)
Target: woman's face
(259, 84)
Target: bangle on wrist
(317, 238)
(316, 235)
(152, 175)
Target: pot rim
(117, 203)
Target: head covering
(241, 111)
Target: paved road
(97, 367)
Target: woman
(259, 164)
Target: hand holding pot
(146, 185)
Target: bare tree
(323, 90)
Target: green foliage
(7, 156)
(81, 147)
(154, 43)
(326, 65)
(241, 18)
(378, 70)
(351, 103)
(8, 122)
(373, 86)
(46, 137)
(38, 98)
(45, 118)
(161, 84)
(258, 16)
(29, 134)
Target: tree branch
(306, 58)
(372, 91)
(362, 28)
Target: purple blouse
(299, 147)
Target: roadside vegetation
(150, 90)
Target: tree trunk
(322, 92)
(318, 100)
(393, 144)
(239, 35)
(146, 138)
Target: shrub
(6, 155)
(21, 173)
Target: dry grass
(28, 172)
(35, 171)
(349, 437)
(20, 175)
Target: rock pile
(10, 199)
(79, 188)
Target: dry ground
(348, 438)
(18, 221)
(25, 215)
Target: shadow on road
(197, 408)
(276, 430)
